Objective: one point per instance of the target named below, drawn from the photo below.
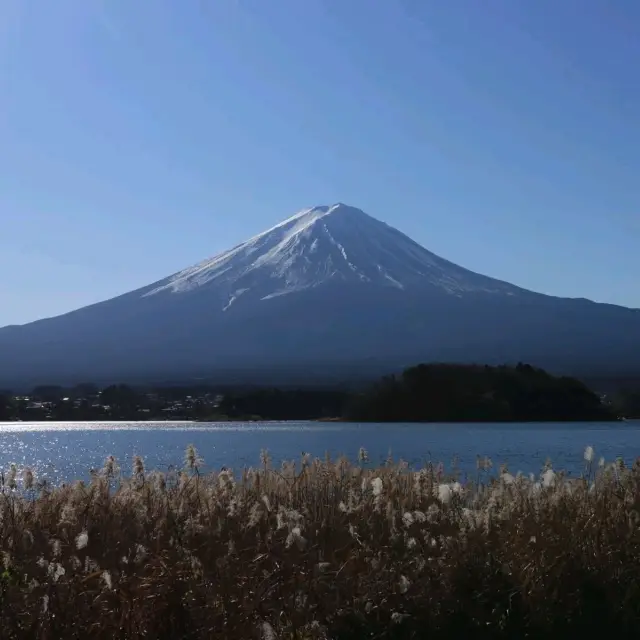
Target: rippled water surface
(67, 451)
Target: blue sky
(139, 137)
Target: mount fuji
(330, 291)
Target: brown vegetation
(321, 549)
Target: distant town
(88, 402)
(115, 402)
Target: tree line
(464, 393)
(425, 393)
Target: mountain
(329, 291)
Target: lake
(66, 451)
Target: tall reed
(320, 549)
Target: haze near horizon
(141, 138)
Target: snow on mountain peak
(336, 243)
(303, 219)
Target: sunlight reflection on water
(66, 451)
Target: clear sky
(140, 136)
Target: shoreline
(619, 421)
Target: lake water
(66, 451)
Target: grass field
(321, 549)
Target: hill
(456, 393)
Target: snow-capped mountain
(328, 290)
(321, 245)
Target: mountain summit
(321, 245)
(329, 291)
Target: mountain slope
(327, 289)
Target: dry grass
(321, 549)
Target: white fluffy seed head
(403, 584)
(82, 540)
(56, 547)
(548, 478)
(399, 618)
(376, 486)
(295, 537)
(11, 476)
(110, 467)
(28, 478)
(56, 571)
(68, 514)
(267, 632)
(141, 553)
(191, 458)
(106, 578)
(507, 478)
(138, 466)
(444, 493)
(255, 514)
